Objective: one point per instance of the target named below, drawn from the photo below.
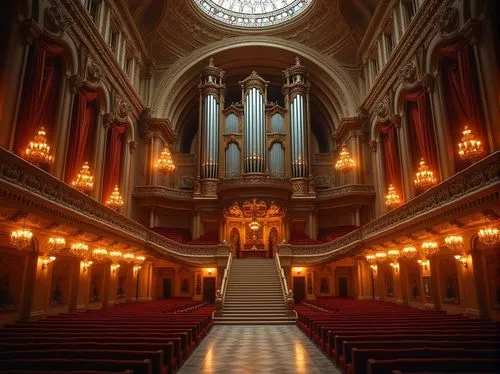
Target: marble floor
(257, 349)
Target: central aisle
(279, 349)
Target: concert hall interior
(249, 186)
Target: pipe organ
(254, 136)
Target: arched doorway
(273, 241)
(234, 240)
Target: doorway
(299, 289)
(343, 289)
(167, 288)
(209, 289)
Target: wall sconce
(47, 261)
(298, 270)
(424, 263)
(462, 260)
(374, 267)
(114, 268)
(137, 268)
(209, 271)
(86, 264)
(395, 266)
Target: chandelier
(470, 149)
(371, 258)
(410, 252)
(84, 181)
(115, 201)
(429, 248)
(21, 238)
(393, 254)
(38, 151)
(116, 256)
(79, 249)
(345, 163)
(165, 164)
(140, 259)
(380, 256)
(56, 244)
(454, 242)
(128, 257)
(100, 254)
(424, 177)
(489, 236)
(392, 199)
(254, 225)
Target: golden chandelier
(21, 238)
(394, 254)
(56, 244)
(115, 201)
(489, 236)
(100, 254)
(38, 151)
(165, 164)
(79, 249)
(410, 252)
(429, 248)
(116, 256)
(84, 181)
(455, 243)
(345, 163)
(424, 177)
(469, 148)
(392, 199)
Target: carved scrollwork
(76, 82)
(408, 73)
(382, 108)
(56, 20)
(446, 21)
(145, 122)
(94, 72)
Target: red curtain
(462, 101)
(116, 141)
(40, 94)
(82, 135)
(392, 167)
(421, 127)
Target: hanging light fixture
(140, 259)
(371, 258)
(489, 236)
(21, 238)
(455, 243)
(424, 178)
(128, 257)
(56, 244)
(394, 255)
(79, 249)
(115, 201)
(345, 163)
(410, 252)
(392, 199)
(429, 248)
(165, 164)
(116, 256)
(469, 148)
(380, 256)
(254, 225)
(84, 181)
(38, 151)
(100, 254)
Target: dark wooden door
(209, 289)
(167, 288)
(299, 289)
(343, 291)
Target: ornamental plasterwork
(446, 21)
(408, 73)
(56, 20)
(94, 72)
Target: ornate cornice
(347, 189)
(348, 125)
(421, 27)
(474, 189)
(26, 187)
(163, 192)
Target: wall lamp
(86, 264)
(424, 263)
(462, 260)
(114, 268)
(47, 261)
(374, 267)
(137, 268)
(395, 266)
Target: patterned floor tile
(257, 349)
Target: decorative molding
(474, 188)
(94, 72)
(163, 192)
(446, 21)
(56, 20)
(27, 187)
(347, 189)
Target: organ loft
(215, 186)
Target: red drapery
(82, 135)
(421, 127)
(392, 168)
(116, 139)
(462, 101)
(40, 94)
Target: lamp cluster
(392, 199)
(345, 163)
(165, 164)
(424, 178)
(470, 148)
(38, 150)
(115, 201)
(84, 181)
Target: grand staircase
(254, 295)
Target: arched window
(231, 124)
(277, 161)
(277, 123)
(232, 161)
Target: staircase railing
(287, 293)
(221, 293)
